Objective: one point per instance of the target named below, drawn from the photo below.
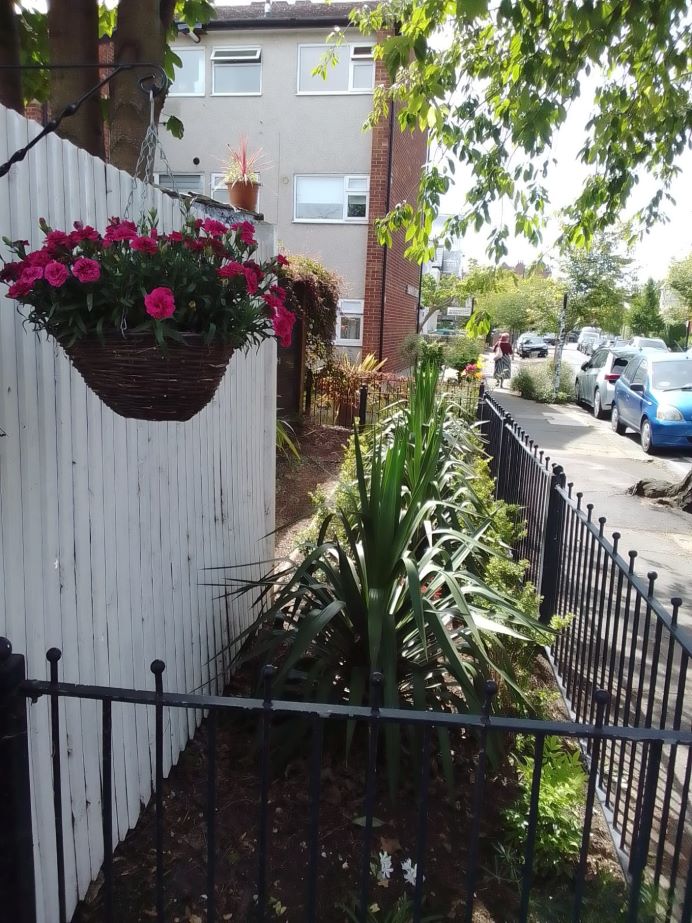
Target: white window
(189, 77)
(351, 71)
(331, 198)
(182, 182)
(349, 323)
(236, 71)
(219, 189)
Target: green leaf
(175, 126)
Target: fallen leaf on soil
(389, 845)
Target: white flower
(385, 866)
(410, 870)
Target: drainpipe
(387, 207)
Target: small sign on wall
(412, 291)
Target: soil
(321, 453)
(449, 814)
(340, 837)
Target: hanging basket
(138, 380)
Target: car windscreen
(672, 376)
(651, 344)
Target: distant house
(248, 73)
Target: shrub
(535, 383)
(462, 351)
(560, 808)
(416, 348)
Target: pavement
(602, 465)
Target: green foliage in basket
(203, 279)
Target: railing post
(552, 538)
(363, 405)
(16, 841)
(480, 408)
(503, 453)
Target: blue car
(654, 397)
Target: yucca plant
(400, 590)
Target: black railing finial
(5, 649)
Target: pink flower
(246, 231)
(39, 258)
(160, 303)
(120, 230)
(214, 228)
(231, 269)
(57, 240)
(32, 274)
(281, 260)
(56, 274)
(251, 279)
(86, 270)
(19, 289)
(283, 321)
(144, 244)
(83, 232)
(175, 237)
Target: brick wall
(395, 273)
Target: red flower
(246, 231)
(144, 244)
(214, 228)
(251, 279)
(83, 232)
(281, 260)
(86, 270)
(11, 272)
(38, 258)
(231, 269)
(56, 274)
(283, 321)
(175, 237)
(57, 240)
(159, 303)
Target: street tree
(440, 294)
(644, 317)
(531, 303)
(680, 280)
(494, 93)
(69, 33)
(598, 281)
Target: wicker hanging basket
(137, 380)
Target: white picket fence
(107, 526)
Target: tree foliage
(69, 33)
(313, 294)
(598, 283)
(644, 317)
(530, 303)
(680, 280)
(497, 89)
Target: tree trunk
(73, 39)
(10, 80)
(678, 495)
(140, 36)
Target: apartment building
(249, 74)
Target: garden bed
(340, 840)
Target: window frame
(360, 59)
(353, 312)
(199, 49)
(202, 176)
(344, 219)
(231, 48)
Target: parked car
(530, 345)
(653, 396)
(587, 337)
(550, 339)
(649, 343)
(595, 381)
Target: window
(189, 77)
(182, 182)
(236, 71)
(331, 198)
(599, 359)
(640, 375)
(631, 368)
(352, 69)
(349, 323)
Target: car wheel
(615, 423)
(597, 406)
(646, 437)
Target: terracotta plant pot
(243, 195)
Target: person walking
(502, 353)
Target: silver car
(595, 382)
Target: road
(602, 465)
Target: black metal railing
(619, 637)
(598, 735)
(331, 402)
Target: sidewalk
(603, 465)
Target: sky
(651, 256)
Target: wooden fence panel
(109, 527)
